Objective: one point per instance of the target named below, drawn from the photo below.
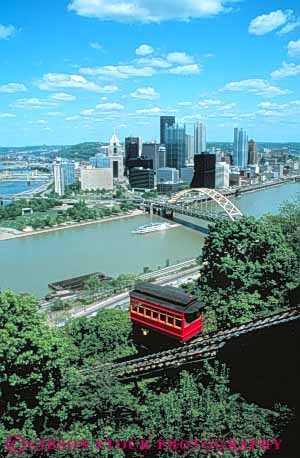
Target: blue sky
(73, 70)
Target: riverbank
(8, 236)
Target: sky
(75, 70)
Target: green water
(29, 264)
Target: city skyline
(73, 70)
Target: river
(29, 264)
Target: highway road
(121, 301)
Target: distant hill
(81, 151)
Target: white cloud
(273, 106)
(228, 106)
(285, 71)
(290, 109)
(88, 112)
(72, 118)
(256, 86)
(7, 115)
(96, 45)
(147, 93)
(149, 111)
(11, 88)
(178, 63)
(32, 103)
(110, 106)
(63, 80)
(294, 48)
(180, 58)
(192, 69)
(144, 50)
(185, 104)
(158, 62)
(268, 113)
(63, 97)
(41, 121)
(268, 22)
(147, 11)
(6, 31)
(206, 103)
(55, 114)
(118, 71)
(289, 27)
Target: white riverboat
(153, 227)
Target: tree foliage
(248, 266)
(32, 362)
(288, 219)
(43, 395)
(107, 335)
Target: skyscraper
(114, 148)
(190, 147)
(199, 138)
(222, 175)
(64, 175)
(59, 182)
(162, 156)
(240, 148)
(116, 158)
(133, 149)
(252, 153)
(156, 152)
(205, 171)
(175, 141)
(69, 172)
(164, 122)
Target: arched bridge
(203, 203)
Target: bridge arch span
(222, 201)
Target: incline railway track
(201, 348)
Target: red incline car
(164, 311)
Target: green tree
(289, 221)
(33, 359)
(246, 256)
(201, 405)
(106, 336)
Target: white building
(115, 154)
(222, 175)
(93, 179)
(114, 148)
(59, 182)
(190, 147)
(199, 138)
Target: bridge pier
(168, 214)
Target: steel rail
(201, 348)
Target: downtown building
(63, 174)
(165, 121)
(187, 174)
(240, 148)
(116, 158)
(133, 150)
(175, 142)
(204, 171)
(155, 152)
(222, 175)
(190, 148)
(141, 179)
(93, 179)
(199, 138)
(252, 153)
